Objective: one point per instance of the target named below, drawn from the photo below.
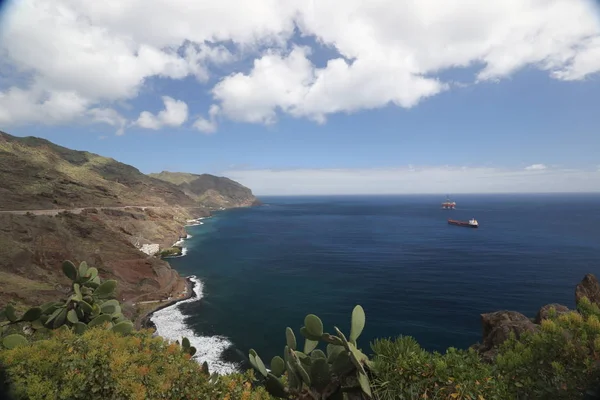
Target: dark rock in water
(588, 287)
(544, 312)
(498, 326)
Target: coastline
(168, 321)
(145, 320)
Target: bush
(558, 362)
(101, 364)
(406, 371)
(171, 251)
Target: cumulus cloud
(291, 83)
(389, 51)
(110, 117)
(174, 114)
(91, 54)
(413, 179)
(536, 167)
(36, 105)
(208, 125)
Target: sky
(316, 97)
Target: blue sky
(299, 108)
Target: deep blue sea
(262, 269)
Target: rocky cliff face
(210, 190)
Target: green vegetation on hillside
(74, 348)
(176, 178)
(101, 364)
(312, 373)
(37, 174)
(171, 251)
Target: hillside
(37, 174)
(112, 209)
(210, 190)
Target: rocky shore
(498, 326)
(145, 319)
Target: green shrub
(171, 251)
(406, 371)
(558, 362)
(314, 374)
(90, 303)
(101, 364)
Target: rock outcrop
(498, 326)
(590, 288)
(544, 312)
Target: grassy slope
(176, 178)
(37, 174)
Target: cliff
(210, 190)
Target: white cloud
(291, 83)
(110, 117)
(208, 125)
(407, 180)
(174, 114)
(536, 167)
(97, 53)
(395, 45)
(36, 105)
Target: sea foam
(180, 243)
(170, 324)
(195, 222)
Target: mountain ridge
(38, 174)
(211, 190)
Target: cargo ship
(472, 223)
(448, 205)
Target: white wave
(170, 324)
(196, 223)
(188, 236)
(196, 220)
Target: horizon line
(425, 194)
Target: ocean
(261, 269)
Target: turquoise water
(265, 268)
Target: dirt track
(71, 210)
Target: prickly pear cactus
(340, 373)
(188, 348)
(90, 303)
